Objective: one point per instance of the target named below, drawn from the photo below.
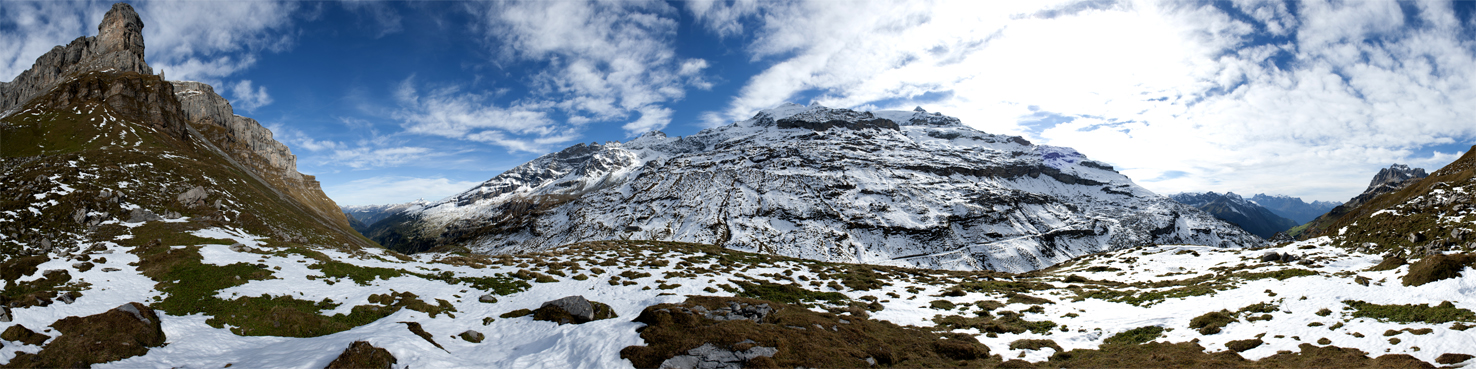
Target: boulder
(488, 298)
(362, 355)
(573, 310)
(5, 314)
(1270, 257)
(472, 336)
(194, 197)
(140, 215)
(123, 332)
(710, 356)
(575, 306)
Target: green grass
(1442, 313)
(1135, 336)
(788, 294)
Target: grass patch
(1034, 345)
(1389, 263)
(1443, 313)
(800, 338)
(1135, 336)
(1006, 322)
(1212, 322)
(1437, 267)
(789, 294)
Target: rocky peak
(1394, 175)
(118, 47)
(121, 31)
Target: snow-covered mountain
(1237, 210)
(362, 216)
(890, 187)
(1293, 207)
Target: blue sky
(392, 101)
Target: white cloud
(394, 189)
(208, 41)
(1308, 101)
(33, 28)
(450, 112)
(244, 97)
(602, 61)
(203, 41)
(652, 118)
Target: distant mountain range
(1293, 207)
(887, 187)
(1232, 208)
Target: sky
(388, 102)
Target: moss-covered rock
(362, 355)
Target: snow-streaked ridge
(927, 191)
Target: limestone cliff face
(118, 46)
(252, 145)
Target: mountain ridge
(1294, 208)
(827, 180)
(1239, 211)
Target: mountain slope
(1238, 211)
(1388, 180)
(891, 187)
(1294, 208)
(363, 216)
(1426, 215)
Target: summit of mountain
(1388, 180)
(118, 47)
(884, 187)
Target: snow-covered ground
(587, 270)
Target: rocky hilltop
(118, 46)
(1388, 180)
(101, 142)
(891, 187)
(1420, 214)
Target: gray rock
(239, 247)
(140, 215)
(65, 298)
(1270, 257)
(110, 269)
(129, 308)
(194, 197)
(574, 305)
(709, 356)
(488, 298)
(5, 314)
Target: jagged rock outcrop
(1388, 180)
(891, 187)
(119, 47)
(253, 145)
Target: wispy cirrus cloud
(453, 113)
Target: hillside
(1232, 208)
(1165, 306)
(1388, 180)
(906, 188)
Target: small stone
(240, 247)
(110, 269)
(488, 298)
(574, 305)
(5, 314)
(1270, 257)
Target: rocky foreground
(221, 297)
